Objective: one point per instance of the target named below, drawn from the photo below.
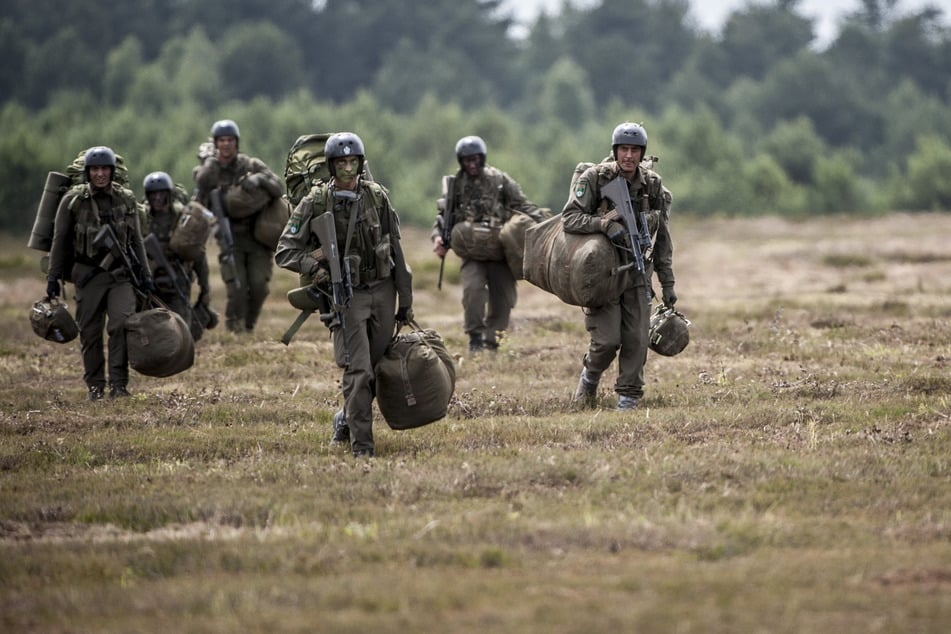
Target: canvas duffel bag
(270, 223)
(159, 342)
(476, 241)
(192, 232)
(243, 203)
(415, 379)
(580, 269)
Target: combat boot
(95, 393)
(476, 344)
(118, 391)
(587, 392)
(626, 402)
(341, 428)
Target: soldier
(104, 283)
(620, 328)
(486, 198)
(173, 287)
(225, 169)
(368, 240)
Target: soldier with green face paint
(379, 284)
(621, 327)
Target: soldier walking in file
(105, 296)
(485, 198)
(223, 173)
(377, 291)
(173, 287)
(620, 328)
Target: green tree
(927, 185)
(258, 59)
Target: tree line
(753, 119)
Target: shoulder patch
(581, 188)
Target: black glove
(148, 285)
(616, 233)
(404, 314)
(52, 287)
(669, 296)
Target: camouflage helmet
(99, 155)
(470, 146)
(628, 133)
(343, 144)
(225, 127)
(157, 181)
(669, 331)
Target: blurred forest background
(755, 119)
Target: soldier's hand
(321, 277)
(404, 314)
(52, 287)
(204, 295)
(148, 284)
(616, 233)
(669, 296)
(438, 247)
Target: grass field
(790, 471)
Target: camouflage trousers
(488, 297)
(104, 303)
(620, 329)
(369, 324)
(254, 264)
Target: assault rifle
(636, 225)
(106, 240)
(330, 305)
(229, 269)
(153, 248)
(449, 195)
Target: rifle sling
(301, 318)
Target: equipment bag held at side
(243, 203)
(415, 379)
(580, 269)
(159, 342)
(477, 241)
(50, 319)
(270, 223)
(669, 331)
(192, 232)
(512, 238)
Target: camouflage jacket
(212, 173)
(80, 214)
(375, 249)
(163, 226)
(582, 213)
(490, 198)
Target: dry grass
(789, 472)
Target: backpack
(306, 165)
(77, 174)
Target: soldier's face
(99, 176)
(346, 169)
(227, 147)
(628, 158)
(472, 164)
(158, 200)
